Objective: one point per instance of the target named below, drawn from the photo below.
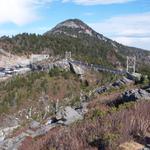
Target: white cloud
(131, 30)
(97, 2)
(19, 11)
(136, 42)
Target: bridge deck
(98, 67)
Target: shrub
(98, 113)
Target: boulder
(68, 115)
(77, 69)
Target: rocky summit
(74, 28)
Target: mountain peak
(72, 23)
(72, 27)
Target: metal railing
(97, 67)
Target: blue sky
(126, 21)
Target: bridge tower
(131, 64)
(67, 55)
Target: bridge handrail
(98, 67)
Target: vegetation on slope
(84, 43)
(24, 90)
(84, 48)
(103, 128)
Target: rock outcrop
(122, 81)
(117, 84)
(77, 69)
(136, 94)
(68, 115)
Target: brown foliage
(105, 132)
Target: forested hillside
(75, 36)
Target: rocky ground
(14, 132)
(64, 116)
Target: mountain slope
(77, 29)
(85, 44)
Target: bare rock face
(77, 69)
(73, 28)
(68, 115)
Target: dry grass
(100, 132)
